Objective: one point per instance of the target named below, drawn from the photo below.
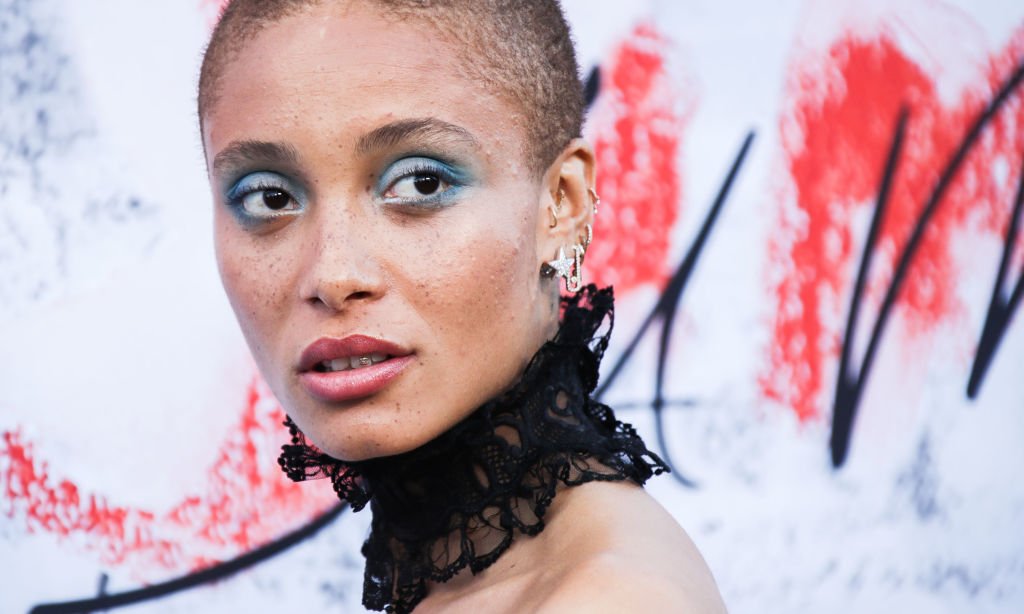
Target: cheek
(487, 264)
(478, 295)
(254, 281)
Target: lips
(351, 368)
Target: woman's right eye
(263, 197)
(274, 199)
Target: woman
(400, 186)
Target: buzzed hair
(520, 48)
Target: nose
(343, 268)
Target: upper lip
(330, 348)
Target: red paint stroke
(248, 502)
(637, 131)
(835, 139)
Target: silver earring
(595, 198)
(555, 208)
(569, 268)
(590, 236)
(574, 282)
(559, 267)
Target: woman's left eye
(416, 186)
(420, 181)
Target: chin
(370, 430)
(368, 446)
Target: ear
(567, 205)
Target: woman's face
(374, 208)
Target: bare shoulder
(614, 586)
(628, 553)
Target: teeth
(353, 362)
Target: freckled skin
(459, 286)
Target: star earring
(559, 267)
(569, 268)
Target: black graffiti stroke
(1000, 308)
(668, 305)
(204, 576)
(849, 384)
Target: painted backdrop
(811, 217)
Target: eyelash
(260, 183)
(398, 172)
(236, 198)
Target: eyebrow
(401, 131)
(240, 153)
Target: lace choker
(458, 500)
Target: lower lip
(352, 384)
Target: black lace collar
(459, 500)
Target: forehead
(332, 73)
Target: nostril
(332, 302)
(335, 287)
